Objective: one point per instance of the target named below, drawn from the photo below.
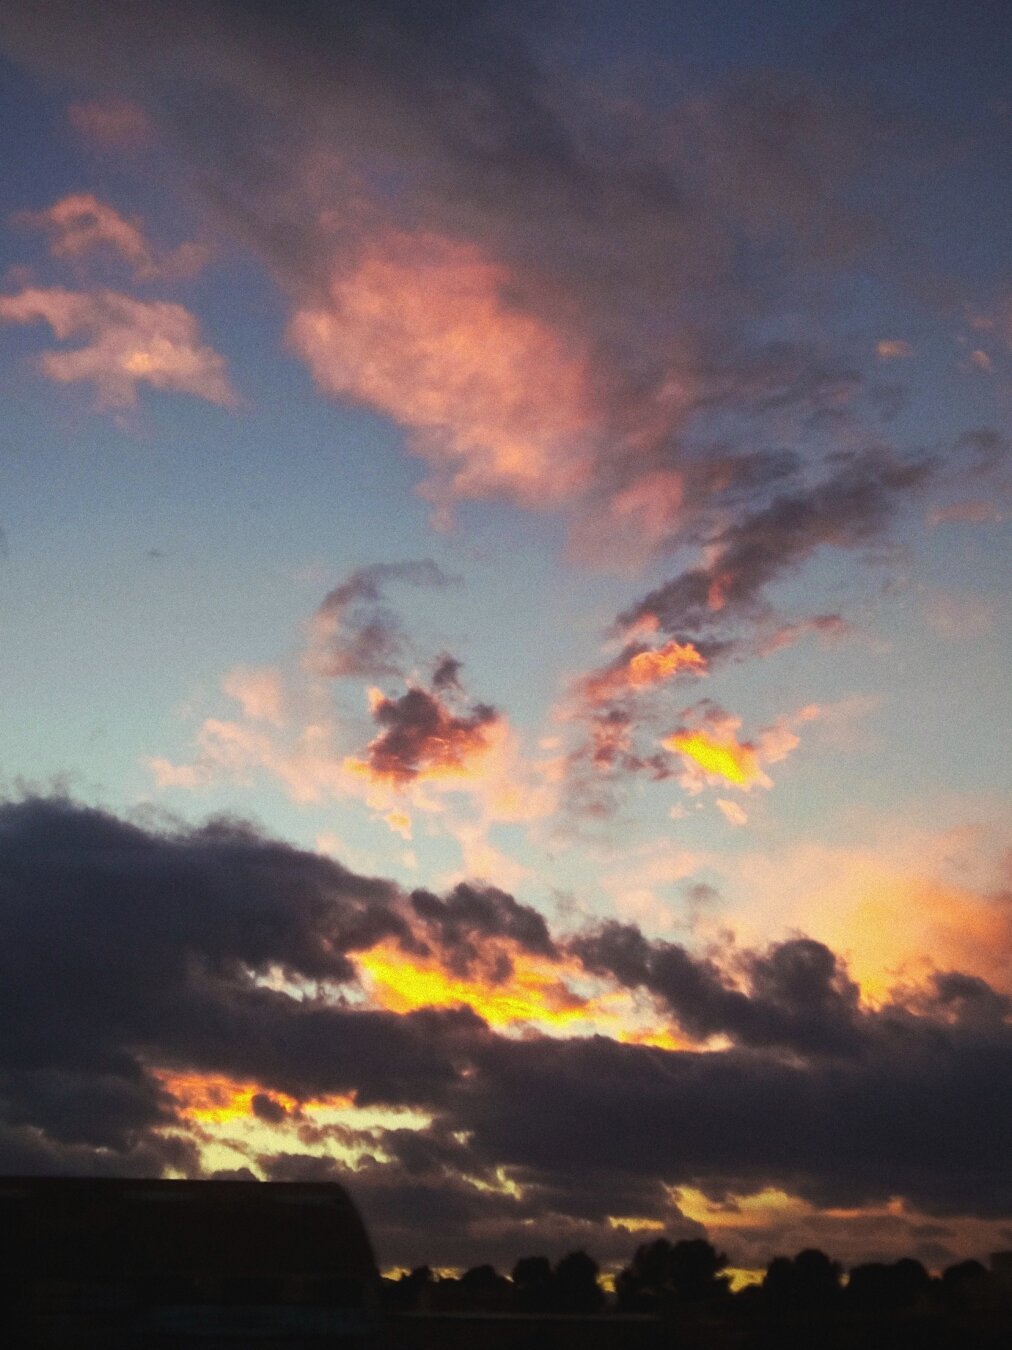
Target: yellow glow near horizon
(534, 992)
(539, 993)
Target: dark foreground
(162, 1265)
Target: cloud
(828, 627)
(111, 123)
(639, 668)
(800, 995)
(353, 633)
(732, 812)
(469, 915)
(434, 751)
(893, 349)
(959, 616)
(162, 986)
(421, 329)
(421, 737)
(896, 906)
(718, 754)
(848, 509)
(567, 301)
(976, 511)
(79, 224)
(260, 693)
(129, 343)
(708, 744)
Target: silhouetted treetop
(663, 1273)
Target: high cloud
(849, 508)
(709, 746)
(421, 737)
(128, 343)
(421, 329)
(639, 668)
(80, 224)
(354, 633)
(567, 301)
(111, 123)
(434, 750)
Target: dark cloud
(800, 997)
(470, 915)
(354, 633)
(446, 674)
(129, 950)
(266, 1107)
(849, 509)
(421, 734)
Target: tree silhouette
(969, 1286)
(574, 1284)
(664, 1275)
(532, 1283)
(880, 1289)
(811, 1280)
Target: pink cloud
(112, 123)
(259, 692)
(80, 223)
(732, 812)
(421, 327)
(960, 615)
(828, 627)
(128, 342)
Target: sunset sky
(504, 561)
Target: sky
(505, 551)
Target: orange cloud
(215, 1098)
(732, 812)
(130, 342)
(213, 1101)
(421, 328)
(893, 349)
(712, 751)
(423, 739)
(534, 992)
(645, 668)
(896, 909)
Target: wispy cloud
(129, 343)
(421, 328)
(80, 224)
(111, 123)
(354, 633)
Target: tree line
(685, 1284)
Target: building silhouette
(89, 1262)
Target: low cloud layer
(220, 952)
